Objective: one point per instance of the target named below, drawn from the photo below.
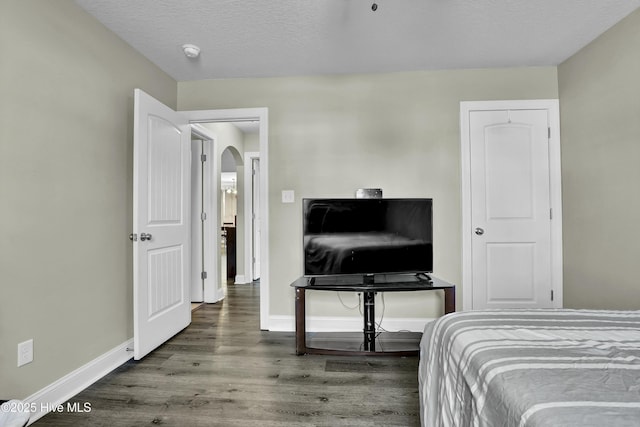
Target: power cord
(358, 306)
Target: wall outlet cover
(25, 352)
(288, 196)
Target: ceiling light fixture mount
(374, 7)
(191, 50)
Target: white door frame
(261, 115)
(249, 157)
(209, 292)
(555, 181)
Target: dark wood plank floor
(223, 371)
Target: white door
(197, 220)
(510, 209)
(161, 226)
(203, 277)
(255, 188)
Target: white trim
(555, 183)
(73, 383)
(346, 324)
(196, 232)
(206, 293)
(240, 279)
(262, 115)
(213, 289)
(249, 156)
(201, 132)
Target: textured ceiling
(262, 38)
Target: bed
(531, 368)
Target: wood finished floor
(223, 371)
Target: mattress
(531, 368)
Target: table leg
(301, 345)
(369, 321)
(449, 300)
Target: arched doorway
(231, 208)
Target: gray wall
(329, 136)
(600, 125)
(66, 109)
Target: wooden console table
(369, 290)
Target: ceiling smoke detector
(191, 50)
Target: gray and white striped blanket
(533, 368)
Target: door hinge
(203, 275)
(549, 133)
(203, 158)
(551, 295)
(550, 213)
(133, 237)
(203, 216)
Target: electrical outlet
(25, 352)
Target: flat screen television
(367, 236)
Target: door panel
(509, 263)
(161, 222)
(165, 172)
(165, 270)
(508, 171)
(510, 209)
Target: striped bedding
(533, 368)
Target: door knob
(479, 231)
(145, 236)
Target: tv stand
(369, 288)
(424, 277)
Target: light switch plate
(288, 196)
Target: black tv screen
(367, 236)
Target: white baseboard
(240, 280)
(345, 324)
(71, 384)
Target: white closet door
(510, 209)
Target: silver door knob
(145, 236)
(479, 231)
